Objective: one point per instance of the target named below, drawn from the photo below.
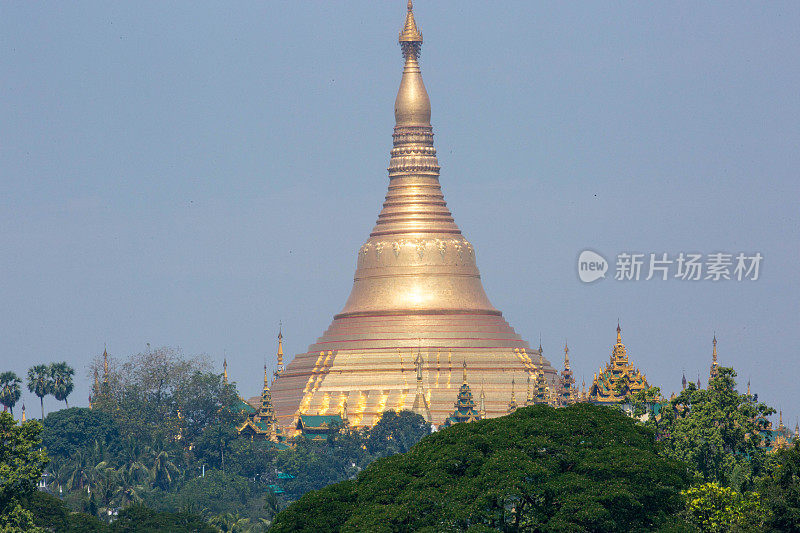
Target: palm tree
(40, 382)
(163, 471)
(9, 390)
(61, 374)
(76, 473)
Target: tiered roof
(619, 379)
(465, 405)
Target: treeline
(698, 462)
(161, 435)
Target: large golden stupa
(417, 306)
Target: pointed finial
(714, 355)
(410, 35)
(619, 333)
(23, 419)
(465, 372)
(748, 387)
(780, 419)
(566, 355)
(683, 380)
(225, 370)
(540, 343)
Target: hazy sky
(190, 174)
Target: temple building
(262, 424)
(465, 405)
(416, 294)
(619, 378)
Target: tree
(140, 519)
(781, 490)
(717, 432)
(21, 466)
(78, 429)
(396, 432)
(61, 374)
(578, 468)
(9, 390)
(163, 472)
(715, 509)
(40, 382)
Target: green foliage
(216, 493)
(140, 519)
(10, 390)
(21, 466)
(582, 467)
(396, 432)
(717, 432)
(715, 509)
(781, 490)
(69, 431)
(52, 514)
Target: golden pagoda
(619, 379)
(416, 292)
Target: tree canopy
(576, 468)
(21, 466)
(717, 432)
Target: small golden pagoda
(619, 379)
(417, 291)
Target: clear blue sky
(189, 174)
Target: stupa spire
(714, 364)
(279, 368)
(416, 277)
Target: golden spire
(23, 419)
(714, 354)
(482, 404)
(748, 387)
(619, 333)
(512, 405)
(780, 419)
(225, 370)
(279, 368)
(796, 429)
(420, 405)
(566, 356)
(528, 397)
(465, 363)
(105, 365)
